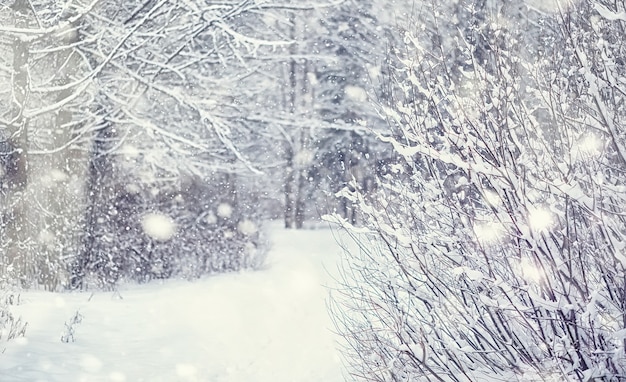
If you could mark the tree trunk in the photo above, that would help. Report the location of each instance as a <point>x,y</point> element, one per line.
<point>97,213</point>
<point>290,186</point>
<point>45,183</point>
<point>303,167</point>
<point>14,155</point>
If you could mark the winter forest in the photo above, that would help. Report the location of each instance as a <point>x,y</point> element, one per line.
<point>453,172</point>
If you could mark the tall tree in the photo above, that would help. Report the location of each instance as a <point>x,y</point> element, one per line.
<point>43,145</point>
<point>193,142</point>
<point>358,38</point>
<point>154,78</point>
<point>325,104</point>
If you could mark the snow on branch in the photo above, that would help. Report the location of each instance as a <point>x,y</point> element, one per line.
<point>62,27</point>
<point>407,152</point>
<point>609,14</point>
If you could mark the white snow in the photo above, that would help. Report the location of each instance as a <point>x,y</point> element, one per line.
<point>247,227</point>
<point>211,218</point>
<point>304,158</point>
<point>530,271</point>
<point>492,198</point>
<point>539,219</point>
<point>489,232</point>
<point>356,93</point>
<point>55,176</point>
<point>224,210</point>
<point>129,151</point>
<point>266,325</point>
<point>45,236</point>
<point>471,274</point>
<point>158,226</point>
<point>609,14</point>
<point>588,146</point>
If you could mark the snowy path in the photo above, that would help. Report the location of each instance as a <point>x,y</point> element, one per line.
<point>269,325</point>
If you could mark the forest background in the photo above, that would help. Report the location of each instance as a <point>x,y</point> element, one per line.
<point>476,149</point>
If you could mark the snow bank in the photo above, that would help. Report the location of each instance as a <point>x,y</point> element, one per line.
<point>268,325</point>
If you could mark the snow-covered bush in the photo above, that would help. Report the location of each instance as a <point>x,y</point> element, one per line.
<point>183,229</point>
<point>494,250</point>
<point>11,327</point>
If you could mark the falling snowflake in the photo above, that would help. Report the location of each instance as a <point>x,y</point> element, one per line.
<point>158,226</point>
<point>211,218</point>
<point>489,233</point>
<point>588,146</point>
<point>224,210</point>
<point>539,219</point>
<point>530,271</point>
<point>304,158</point>
<point>247,227</point>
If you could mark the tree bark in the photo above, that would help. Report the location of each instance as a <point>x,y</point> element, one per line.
<point>290,186</point>
<point>44,182</point>
<point>15,264</point>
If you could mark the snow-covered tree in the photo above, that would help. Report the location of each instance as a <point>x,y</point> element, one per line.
<point>176,90</point>
<point>42,138</point>
<point>356,36</point>
<point>97,87</point>
<point>290,107</point>
<point>324,104</point>
<point>494,247</point>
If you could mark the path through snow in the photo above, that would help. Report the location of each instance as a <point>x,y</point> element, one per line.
<point>268,325</point>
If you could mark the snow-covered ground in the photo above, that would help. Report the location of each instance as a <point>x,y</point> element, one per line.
<point>266,325</point>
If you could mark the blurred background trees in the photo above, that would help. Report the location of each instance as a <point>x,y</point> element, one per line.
<point>118,110</point>
<point>173,140</point>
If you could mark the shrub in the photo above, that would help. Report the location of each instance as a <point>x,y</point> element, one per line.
<point>494,249</point>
